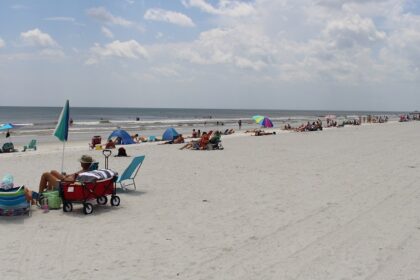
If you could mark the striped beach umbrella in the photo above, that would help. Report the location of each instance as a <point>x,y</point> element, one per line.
<point>258,118</point>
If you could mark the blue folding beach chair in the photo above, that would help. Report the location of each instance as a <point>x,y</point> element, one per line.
<point>14,203</point>
<point>130,173</point>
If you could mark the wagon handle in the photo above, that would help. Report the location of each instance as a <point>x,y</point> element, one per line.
<point>107,154</point>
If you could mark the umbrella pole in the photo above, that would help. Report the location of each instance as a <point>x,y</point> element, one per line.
<point>62,158</point>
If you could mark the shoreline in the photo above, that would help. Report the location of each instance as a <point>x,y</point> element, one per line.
<point>22,137</point>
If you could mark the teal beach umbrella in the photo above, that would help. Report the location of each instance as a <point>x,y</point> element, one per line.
<point>62,129</point>
<point>7,126</point>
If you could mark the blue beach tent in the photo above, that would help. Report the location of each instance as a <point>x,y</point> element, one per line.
<point>123,135</point>
<point>169,134</point>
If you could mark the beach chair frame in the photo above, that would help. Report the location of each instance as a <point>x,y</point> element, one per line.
<point>30,146</point>
<point>130,173</point>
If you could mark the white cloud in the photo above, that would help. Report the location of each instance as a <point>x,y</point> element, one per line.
<point>231,8</point>
<point>128,49</point>
<point>344,42</point>
<point>352,30</point>
<point>69,19</point>
<point>36,37</point>
<point>102,15</point>
<point>244,48</point>
<point>108,33</point>
<point>169,16</point>
<point>2,43</point>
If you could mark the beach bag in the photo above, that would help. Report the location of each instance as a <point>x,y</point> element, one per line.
<point>121,152</point>
<point>52,198</point>
<point>8,147</point>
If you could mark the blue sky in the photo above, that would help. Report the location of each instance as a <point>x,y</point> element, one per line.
<point>274,54</point>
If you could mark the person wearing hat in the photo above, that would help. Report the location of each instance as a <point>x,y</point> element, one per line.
<point>7,185</point>
<point>49,180</point>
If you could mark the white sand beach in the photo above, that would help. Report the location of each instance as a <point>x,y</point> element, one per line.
<point>341,203</point>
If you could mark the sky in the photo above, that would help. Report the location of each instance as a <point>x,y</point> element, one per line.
<point>249,54</point>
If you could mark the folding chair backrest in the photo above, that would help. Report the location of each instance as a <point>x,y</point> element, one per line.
<point>131,171</point>
<point>11,200</point>
<point>94,166</point>
<point>32,144</point>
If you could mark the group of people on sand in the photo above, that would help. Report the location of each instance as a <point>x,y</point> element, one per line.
<point>309,126</point>
<point>141,139</point>
<point>48,181</point>
<point>208,141</point>
<point>200,142</point>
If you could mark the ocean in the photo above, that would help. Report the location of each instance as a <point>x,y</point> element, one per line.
<point>40,121</point>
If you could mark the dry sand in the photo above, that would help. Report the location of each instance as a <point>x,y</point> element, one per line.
<point>338,204</point>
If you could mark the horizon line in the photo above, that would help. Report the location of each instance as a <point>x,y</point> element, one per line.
<point>198,108</point>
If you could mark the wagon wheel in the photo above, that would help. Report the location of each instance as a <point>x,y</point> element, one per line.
<point>67,207</point>
<point>115,200</point>
<point>102,200</point>
<point>87,208</point>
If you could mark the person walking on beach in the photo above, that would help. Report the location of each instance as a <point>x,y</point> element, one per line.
<point>240,124</point>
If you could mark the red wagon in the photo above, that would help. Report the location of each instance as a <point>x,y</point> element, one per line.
<point>86,192</point>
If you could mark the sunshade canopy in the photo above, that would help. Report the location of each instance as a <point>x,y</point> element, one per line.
<point>170,134</point>
<point>123,135</point>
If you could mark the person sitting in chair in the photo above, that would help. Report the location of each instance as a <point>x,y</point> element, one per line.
<point>216,138</point>
<point>197,145</point>
<point>110,144</point>
<point>7,185</point>
<point>49,180</point>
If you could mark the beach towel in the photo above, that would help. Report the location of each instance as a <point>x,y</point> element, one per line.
<point>95,175</point>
